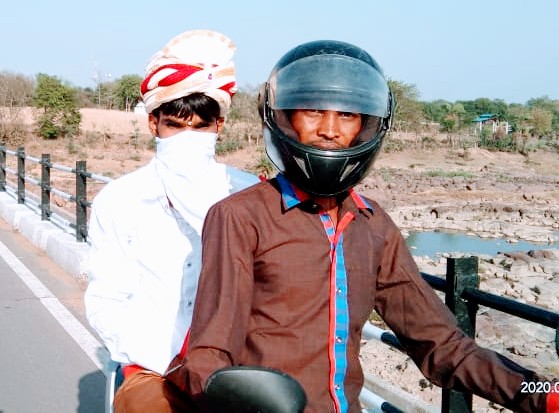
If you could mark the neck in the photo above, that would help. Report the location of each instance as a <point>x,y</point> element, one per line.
<point>326,202</point>
<point>330,205</point>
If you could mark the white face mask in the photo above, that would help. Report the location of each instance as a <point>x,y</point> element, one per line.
<point>193,180</point>
<point>186,151</point>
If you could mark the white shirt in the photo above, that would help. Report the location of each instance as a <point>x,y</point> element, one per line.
<point>144,264</point>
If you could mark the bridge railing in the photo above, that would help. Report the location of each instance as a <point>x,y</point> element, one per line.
<point>463,296</point>
<point>460,288</point>
<point>20,184</point>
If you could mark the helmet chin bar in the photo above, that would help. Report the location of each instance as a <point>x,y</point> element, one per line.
<point>317,171</point>
<point>331,172</point>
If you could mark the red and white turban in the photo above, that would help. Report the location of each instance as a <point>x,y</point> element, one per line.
<point>194,61</point>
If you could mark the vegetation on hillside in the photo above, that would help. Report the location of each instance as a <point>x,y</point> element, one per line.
<point>16,93</point>
<point>520,127</point>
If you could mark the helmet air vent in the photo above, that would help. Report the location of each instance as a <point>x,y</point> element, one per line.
<point>302,165</point>
<point>349,169</point>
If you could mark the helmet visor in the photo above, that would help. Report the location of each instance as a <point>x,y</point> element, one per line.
<point>330,82</point>
<point>369,128</point>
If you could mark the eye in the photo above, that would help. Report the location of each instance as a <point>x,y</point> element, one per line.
<point>173,124</point>
<point>201,125</point>
<point>348,115</point>
<point>313,112</point>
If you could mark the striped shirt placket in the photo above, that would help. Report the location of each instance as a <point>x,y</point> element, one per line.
<point>339,309</point>
<point>339,312</point>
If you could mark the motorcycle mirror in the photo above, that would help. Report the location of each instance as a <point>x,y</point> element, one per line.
<point>244,389</point>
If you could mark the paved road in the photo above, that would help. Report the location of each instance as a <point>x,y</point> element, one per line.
<point>49,359</point>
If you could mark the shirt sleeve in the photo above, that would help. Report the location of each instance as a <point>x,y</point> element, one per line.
<point>223,303</point>
<point>239,179</point>
<point>430,335</point>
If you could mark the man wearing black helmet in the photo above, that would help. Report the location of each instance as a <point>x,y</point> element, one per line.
<point>293,267</point>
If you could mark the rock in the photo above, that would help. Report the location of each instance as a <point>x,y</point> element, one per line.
<point>517,275</point>
<point>539,254</point>
<point>518,256</point>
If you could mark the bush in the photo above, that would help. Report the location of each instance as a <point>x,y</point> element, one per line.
<point>393,144</point>
<point>228,145</point>
<point>263,165</point>
<point>13,131</point>
<point>59,115</point>
<point>16,93</point>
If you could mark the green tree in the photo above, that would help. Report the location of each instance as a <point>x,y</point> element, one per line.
<point>541,121</point>
<point>127,92</point>
<point>549,105</point>
<point>474,108</point>
<point>435,111</point>
<point>409,111</point>
<point>453,118</point>
<point>59,114</point>
<point>519,118</point>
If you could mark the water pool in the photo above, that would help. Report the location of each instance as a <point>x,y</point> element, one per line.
<point>430,243</point>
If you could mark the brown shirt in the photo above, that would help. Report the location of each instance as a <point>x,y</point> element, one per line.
<point>269,295</point>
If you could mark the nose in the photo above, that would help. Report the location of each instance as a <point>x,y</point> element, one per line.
<point>329,127</point>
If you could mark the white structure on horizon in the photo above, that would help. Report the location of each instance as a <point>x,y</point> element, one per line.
<point>140,108</point>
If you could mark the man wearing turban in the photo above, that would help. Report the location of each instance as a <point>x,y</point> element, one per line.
<point>145,226</point>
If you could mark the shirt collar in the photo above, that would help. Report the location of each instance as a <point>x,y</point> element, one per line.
<point>293,196</point>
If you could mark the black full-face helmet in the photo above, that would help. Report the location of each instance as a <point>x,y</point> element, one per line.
<point>325,75</point>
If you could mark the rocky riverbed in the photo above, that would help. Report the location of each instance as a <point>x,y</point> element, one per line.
<point>530,277</point>
<point>489,195</point>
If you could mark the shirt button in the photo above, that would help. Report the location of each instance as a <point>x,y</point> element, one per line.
<point>337,387</point>
<point>339,339</point>
<point>189,264</point>
<point>339,291</point>
<point>189,303</point>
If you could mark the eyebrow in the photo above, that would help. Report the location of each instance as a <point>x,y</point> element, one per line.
<point>175,122</point>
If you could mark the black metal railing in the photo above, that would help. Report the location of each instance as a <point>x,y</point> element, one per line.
<point>76,219</point>
<point>463,297</point>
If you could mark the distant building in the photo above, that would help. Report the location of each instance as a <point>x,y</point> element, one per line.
<point>486,119</point>
<point>140,108</point>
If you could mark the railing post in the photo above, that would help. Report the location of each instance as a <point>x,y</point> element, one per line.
<point>45,187</point>
<point>461,273</point>
<point>21,175</point>
<point>3,168</point>
<point>81,201</point>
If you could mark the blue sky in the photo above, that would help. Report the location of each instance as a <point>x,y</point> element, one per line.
<point>453,50</point>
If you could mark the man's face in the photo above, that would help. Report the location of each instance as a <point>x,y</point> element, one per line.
<point>326,129</point>
<point>165,126</point>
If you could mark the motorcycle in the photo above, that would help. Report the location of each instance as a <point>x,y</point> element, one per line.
<point>253,389</point>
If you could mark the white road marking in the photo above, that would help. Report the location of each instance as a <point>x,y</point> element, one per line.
<point>89,344</point>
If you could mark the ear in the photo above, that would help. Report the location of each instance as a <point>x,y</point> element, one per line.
<point>152,124</point>
<point>219,124</point>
